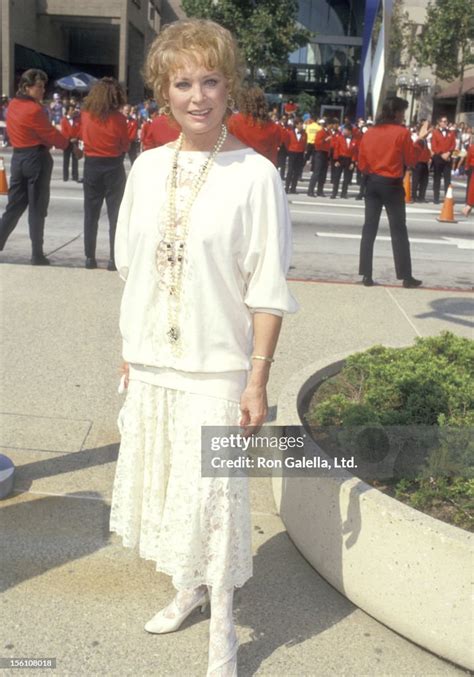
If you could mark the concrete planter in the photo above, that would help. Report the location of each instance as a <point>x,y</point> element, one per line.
<point>406,569</point>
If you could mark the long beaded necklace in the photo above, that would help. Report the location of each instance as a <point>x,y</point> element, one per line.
<point>171,250</point>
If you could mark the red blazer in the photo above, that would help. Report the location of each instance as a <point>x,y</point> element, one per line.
<point>264,137</point>
<point>132,129</point>
<point>159,132</point>
<point>28,125</point>
<point>292,143</point>
<point>333,140</point>
<point>387,150</point>
<point>341,149</point>
<point>469,161</point>
<point>71,131</point>
<point>442,144</point>
<point>422,152</point>
<point>322,140</point>
<point>104,138</point>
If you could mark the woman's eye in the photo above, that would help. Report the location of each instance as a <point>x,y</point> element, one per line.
<point>182,85</point>
<point>212,82</point>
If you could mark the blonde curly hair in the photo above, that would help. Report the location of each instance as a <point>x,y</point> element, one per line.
<point>198,41</point>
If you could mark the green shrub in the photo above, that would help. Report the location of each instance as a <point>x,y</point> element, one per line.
<point>380,393</point>
<point>429,383</point>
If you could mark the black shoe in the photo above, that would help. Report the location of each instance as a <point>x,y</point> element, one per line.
<point>40,260</point>
<point>311,194</point>
<point>367,281</point>
<point>345,197</point>
<point>411,283</point>
<point>333,197</point>
<point>79,180</point>
<point>359,197</point>
<point>436,202</point>
<point>91,263</point>
<point>321,194</point>
<point>111,265</point>
<point>65,179</point>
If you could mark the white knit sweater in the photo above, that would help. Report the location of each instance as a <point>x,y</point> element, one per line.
<point>237,255</point>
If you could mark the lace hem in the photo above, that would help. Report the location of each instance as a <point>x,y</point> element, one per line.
<point>197,529</point>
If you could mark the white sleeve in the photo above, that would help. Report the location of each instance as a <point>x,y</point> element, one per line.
<point>268,236</point>
<point>121,246</point>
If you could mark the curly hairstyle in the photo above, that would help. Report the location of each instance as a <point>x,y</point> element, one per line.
<point>200,42</point>
<point>106,96</point>
<point>254,104</point>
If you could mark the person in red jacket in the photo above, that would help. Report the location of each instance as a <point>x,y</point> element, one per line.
<point>70,128</point>
<point>421,170</point>
<point>132,128</point>
<point>252,125</point>
<point>31,135</point>
<point>469,163</point>
<point>344,154</point>
<point>443,143</point>
<point>384,153</point>
<point>296,144</point>
<point>158,130</point>
<point>320,161</point>
<point>105,136</point>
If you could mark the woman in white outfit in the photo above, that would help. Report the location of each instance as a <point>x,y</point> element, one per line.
<point>203,244</point>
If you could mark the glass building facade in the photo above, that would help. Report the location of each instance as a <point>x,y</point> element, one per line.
<point>328,66</point>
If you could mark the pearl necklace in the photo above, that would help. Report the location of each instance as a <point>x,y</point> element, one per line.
<point>171,250</point>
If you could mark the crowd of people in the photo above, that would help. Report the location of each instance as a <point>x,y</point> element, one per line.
<point>102,127</point>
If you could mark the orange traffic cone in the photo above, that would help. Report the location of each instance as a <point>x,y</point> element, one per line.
<point>407,186</point>
<point>3,178</point>
<point>447,212</point>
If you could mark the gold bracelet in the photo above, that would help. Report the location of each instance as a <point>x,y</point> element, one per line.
<point>262,357</point>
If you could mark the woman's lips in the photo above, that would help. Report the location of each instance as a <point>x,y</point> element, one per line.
<point>200,114</point>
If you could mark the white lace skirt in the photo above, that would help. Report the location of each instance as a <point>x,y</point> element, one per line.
<point>197,529</point>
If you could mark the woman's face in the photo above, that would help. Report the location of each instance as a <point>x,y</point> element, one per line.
<point>36,91</point>
<point>198,99</point>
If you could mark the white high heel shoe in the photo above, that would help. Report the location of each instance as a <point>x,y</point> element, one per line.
<point>160,624</point>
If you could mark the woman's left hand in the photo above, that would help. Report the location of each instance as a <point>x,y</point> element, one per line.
<point>254,408</point>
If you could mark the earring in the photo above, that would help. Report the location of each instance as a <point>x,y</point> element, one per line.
<point>230,103</point>
<point>166,110</point>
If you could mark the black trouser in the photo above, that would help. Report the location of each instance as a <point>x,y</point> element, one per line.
<point>104,177</point>
<point>67,155</point>
<point>295,166</point>
<point>133,151</point>
<point>309,152</point>
<point>420,181</point>
<point>383,191</point>
<point>363,186</point>
<point>440,168</point>
<point>320,170</point>
<point>281,160</point>
<point>344,166</point>
<point>29,187</point>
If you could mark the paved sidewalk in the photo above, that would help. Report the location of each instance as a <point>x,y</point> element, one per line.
<point>70,590</point>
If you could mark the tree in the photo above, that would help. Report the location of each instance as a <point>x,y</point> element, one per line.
<point>266,31</point>
<point>447,40</point>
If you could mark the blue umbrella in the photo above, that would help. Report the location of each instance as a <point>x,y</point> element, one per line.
<point>80,82</point>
